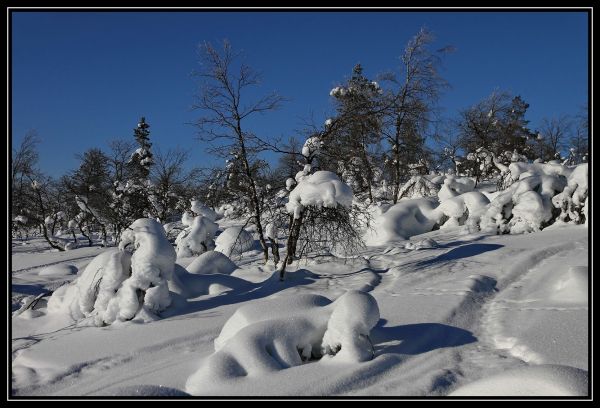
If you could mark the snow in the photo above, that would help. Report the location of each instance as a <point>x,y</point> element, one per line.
<point>321,189</point>
<point>311,146</point>
<point>543,380</point>
<point>290,183</point>
<point>234,241</point>
<point>200,209</point>
<point>211,262</point>
<point>197,238</point>
<point>454,186</point>
<point>454,311</point>
<point>21,218</point>
<point>58,270</point>
<point>279,333</point>
<point>401,221</point>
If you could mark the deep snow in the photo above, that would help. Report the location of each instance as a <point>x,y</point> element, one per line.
<point>469,313</point>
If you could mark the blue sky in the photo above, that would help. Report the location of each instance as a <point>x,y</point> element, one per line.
<point>83,78</point>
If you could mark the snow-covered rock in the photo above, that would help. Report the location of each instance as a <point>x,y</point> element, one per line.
<point>234,241</point>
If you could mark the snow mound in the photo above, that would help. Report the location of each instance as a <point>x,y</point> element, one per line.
<point>234,241</point>
<point>191,285</point>
<point>463,209</point>
<point>427,243</point>
<point>347,337</point>
<point>278,333</point>
<point>418,187</point>
<point>197,238</point>
<point>403,220</point>
<point>200,209</point>
<point>543,380</point>
<point>454,186</point>
<point>212,262</point>
<point>321,189</point>
<point>116,285</point>
<point>91,293</point>
<point>58,270</point>
<point>573,287</point>
<point>572,201</point>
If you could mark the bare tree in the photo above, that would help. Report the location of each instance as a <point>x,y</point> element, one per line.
<point>221,99</point>
<point>417,88</point>
<point>554,133</point>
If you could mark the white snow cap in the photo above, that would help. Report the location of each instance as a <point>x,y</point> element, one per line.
<point>21,218</point>
<point>289,183</point>
<point>197,238</point>
<point>311,146</point>
<point>201,209</point>
<point>328,122</point>
<point>321,189</point>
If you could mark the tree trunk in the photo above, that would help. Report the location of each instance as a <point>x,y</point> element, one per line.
<point>50,242</point>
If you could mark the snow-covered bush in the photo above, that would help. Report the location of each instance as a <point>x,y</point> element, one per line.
<point>454,186</point>
<point>117,285</point>
<point>463,209</point>
<point>197,238</point>
<point>234,241</point>
<point>273,334</point>
<point>403,220</point>
<point>572,201</point>
<point>212,262</point>
<point>321,189</point>
<point>200,209</point>
<point>418,187</point>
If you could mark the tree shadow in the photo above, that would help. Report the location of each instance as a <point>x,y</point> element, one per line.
<point>461,252</point>
<point>418,338</point>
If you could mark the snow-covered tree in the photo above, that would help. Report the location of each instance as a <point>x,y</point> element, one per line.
<point>225,82</point>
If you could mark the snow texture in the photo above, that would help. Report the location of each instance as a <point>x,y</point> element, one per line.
<point>275,334</point>
<point>212,262</point>
<point>200,209</point>
<point>454,186</point>
<point>543,380</point>
<point>321,189</point>
<point>234,241</point>
<point>197,238</point>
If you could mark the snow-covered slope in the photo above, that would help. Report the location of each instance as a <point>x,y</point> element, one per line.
<point>472,309</point>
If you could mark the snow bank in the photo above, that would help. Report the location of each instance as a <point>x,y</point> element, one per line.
<point>321,189</point>
<point>234,241</point>
<point>278,333</point>
<point>212,262</point>
<point>58,270</point>
<point>197,238</point>
<point>542,380</point>
<point>403,220</point>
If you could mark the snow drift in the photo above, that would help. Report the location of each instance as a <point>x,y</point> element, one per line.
<point>278,333</point>
<point>234,241</point>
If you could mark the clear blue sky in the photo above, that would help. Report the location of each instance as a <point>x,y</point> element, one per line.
<point>83,78</point>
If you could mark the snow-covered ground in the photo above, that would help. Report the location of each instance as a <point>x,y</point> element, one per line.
<point>467,314</point>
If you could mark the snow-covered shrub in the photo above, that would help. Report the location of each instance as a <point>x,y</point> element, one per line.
<point>211,262</point>
<point>525,206</point>
<point>463,209</point>
<point>273,334</point>
<point>454,186</point>
<point>347,336</point>
<point>116,285</point>
<point>90,293</point>
<point>418,187</point>
<point>234,241</point>
<point>197,238</point>
<point>572,201</point>
<point>403,220</point>
<point>200,209</point>
<point>321,189</point>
